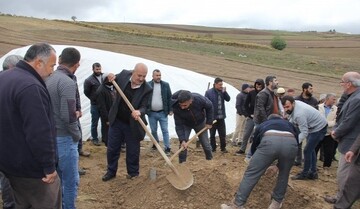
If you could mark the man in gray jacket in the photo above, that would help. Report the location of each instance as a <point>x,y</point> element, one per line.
<point>312,126</point>
<point>62,89</point>
<point>347,127</point>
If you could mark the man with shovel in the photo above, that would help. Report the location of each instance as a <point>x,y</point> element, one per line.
<point>123,122</point>
<point>192,111</point>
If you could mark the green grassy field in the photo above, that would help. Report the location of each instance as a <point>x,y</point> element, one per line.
<point>330,54</point>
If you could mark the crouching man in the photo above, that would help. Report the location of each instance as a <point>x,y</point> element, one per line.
<point>274,139</point>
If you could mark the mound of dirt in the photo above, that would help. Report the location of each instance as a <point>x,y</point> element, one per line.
<point>215,182</point>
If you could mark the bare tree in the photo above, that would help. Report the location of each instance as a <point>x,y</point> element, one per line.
<point>73,18</point>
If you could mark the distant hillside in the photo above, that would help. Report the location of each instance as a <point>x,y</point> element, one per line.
<point>328,53</point>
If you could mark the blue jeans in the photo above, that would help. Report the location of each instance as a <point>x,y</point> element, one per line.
<point>68,170</point>
<point>309,151</point>
<point>95,115</point>
<point>120,132</point>
<point>203,138</point>
<point>271,148</point>
<point>162,118</point>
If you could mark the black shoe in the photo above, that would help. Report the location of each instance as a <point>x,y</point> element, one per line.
<point>81,172</point>
<point>224,151</point>
<point>108,176</point>
<point>167,151</point>
<point>153,148</point>
<point>299,176</point>
<point>240,152</point>
<point>96,143</point>
<point>131,177</point>
<point>313,176</point>
<point>297,164</point>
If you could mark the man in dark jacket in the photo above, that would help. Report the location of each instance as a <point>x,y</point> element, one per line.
<point>351,192</point>
<point>306,95</point>
<point>123,122</point>
<point>6,191</point>
<point>218,95</point>
<point>240,113</point>
<point>27,130</point>
<point>105,96</point>
<point>192,111</point>
<point>91,84</point>
<point>249,114</point>
<point>266,102</point>
<point>274,140</point>
<point>347,127</point>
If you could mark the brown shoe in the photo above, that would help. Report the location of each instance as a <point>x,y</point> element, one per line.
<point>84,154</point>
<point>330,199</point>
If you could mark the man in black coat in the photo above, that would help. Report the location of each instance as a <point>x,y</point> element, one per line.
<point>123,122</point>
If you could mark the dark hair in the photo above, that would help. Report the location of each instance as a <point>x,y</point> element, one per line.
<point>271,116</point>
<point>306,85</point>
<point>184,96</point>
<point>96,64</point>
<point>70,56</point>
<point>156,70</point>
<point>42,50</point>
<point>218,80</point>
<point>269,79</point>
<point>287,98</point>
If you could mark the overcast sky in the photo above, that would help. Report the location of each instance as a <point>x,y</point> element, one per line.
<point>293,15</point>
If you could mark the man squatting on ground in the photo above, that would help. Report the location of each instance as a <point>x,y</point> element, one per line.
<point>274,140</point>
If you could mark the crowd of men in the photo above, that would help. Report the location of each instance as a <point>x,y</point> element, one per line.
<point>40,132</point>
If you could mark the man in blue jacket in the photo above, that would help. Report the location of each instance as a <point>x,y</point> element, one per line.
<point>27,130</point>
<point>192,111</point>
<point>218,95</point>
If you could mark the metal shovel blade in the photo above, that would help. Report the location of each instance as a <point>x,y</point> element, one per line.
<point>182,179</point>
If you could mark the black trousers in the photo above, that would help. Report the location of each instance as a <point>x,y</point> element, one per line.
<point>328,144</point>
<point>221,128</point>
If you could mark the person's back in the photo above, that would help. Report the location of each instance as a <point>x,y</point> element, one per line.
<point>307,118</point>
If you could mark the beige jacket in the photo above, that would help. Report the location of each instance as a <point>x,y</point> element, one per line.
<point>331,118</point>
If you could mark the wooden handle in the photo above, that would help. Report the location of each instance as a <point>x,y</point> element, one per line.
<point>189,142</point>
<point>145,128</point>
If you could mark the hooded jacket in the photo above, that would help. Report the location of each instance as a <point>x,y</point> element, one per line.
<point>251,97</point>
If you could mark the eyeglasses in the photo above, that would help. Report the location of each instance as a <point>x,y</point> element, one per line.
<point>342,82</point>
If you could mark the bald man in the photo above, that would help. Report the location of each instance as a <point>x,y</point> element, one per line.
<point>347,127</point>
<point>123,122</point>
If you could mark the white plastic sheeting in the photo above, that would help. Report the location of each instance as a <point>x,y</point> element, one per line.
<point>178,79</point>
